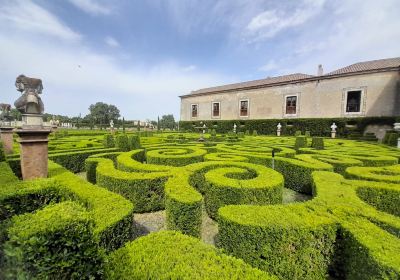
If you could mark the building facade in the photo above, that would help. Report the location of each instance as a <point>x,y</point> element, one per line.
<point>365,89</point>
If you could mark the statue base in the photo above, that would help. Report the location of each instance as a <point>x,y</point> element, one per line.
<point>278,133</point>
<point>333,134</point>
<point>32,121</point>
<point>6,136</point>
<point>34,152</point>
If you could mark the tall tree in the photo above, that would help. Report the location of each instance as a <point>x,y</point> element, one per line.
<point>102,113</point>
<point>167,121</point>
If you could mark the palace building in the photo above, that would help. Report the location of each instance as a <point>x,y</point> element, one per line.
<point>365,89</point>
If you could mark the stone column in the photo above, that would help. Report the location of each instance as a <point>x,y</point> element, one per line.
<point>34,152</point>
<point>6,135</point>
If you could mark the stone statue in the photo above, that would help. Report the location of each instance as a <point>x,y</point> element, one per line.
<point>333,127</point>
<point>5,112</point>
<point>112,124</point>
<point>234,128</point>
<point>278,131</point>
<point>30,101</point>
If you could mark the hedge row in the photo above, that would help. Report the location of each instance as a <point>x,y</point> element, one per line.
<point>335,232</point>
<point>316,126</point>
<point>65,240</point>
<point>171,255</point>
<point>57,241</point>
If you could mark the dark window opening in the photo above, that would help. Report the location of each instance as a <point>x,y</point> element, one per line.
<point>194,111</point>
<point>215,112</point>
<point>244,108</point>
<point>353,101</point>
<point>291,102</point>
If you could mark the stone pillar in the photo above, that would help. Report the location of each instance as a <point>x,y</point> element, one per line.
<point>34,152</point>
<point>278,133</point>
<point>333,134</point>
<point>6,135</point>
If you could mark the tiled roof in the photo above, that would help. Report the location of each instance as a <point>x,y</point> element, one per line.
<point>367,66</point>
<point>255,83</point>
<point>372,65</point>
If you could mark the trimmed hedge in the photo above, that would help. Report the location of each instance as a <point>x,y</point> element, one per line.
<point>122,143</point>
<point>109,141</point>
<point>316,126</point>
<point>171,255</point>
<point>2,155</point>
<point>57,241</point>
<point>134,141</point>
<point>317,143</point>
<point>179,156</point>
<point>335,231</point>
<point>389,174</point>
<point>301,142</point>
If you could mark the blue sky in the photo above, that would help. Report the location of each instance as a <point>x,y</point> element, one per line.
<point>141,55</point>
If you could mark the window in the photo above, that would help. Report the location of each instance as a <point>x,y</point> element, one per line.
<point>244,108</point>
<point>215,109</point>
<point>194,110</point>
<point>353,101</point>
<point>291,102</point>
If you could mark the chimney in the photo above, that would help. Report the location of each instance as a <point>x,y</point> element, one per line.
<point>320,70</point>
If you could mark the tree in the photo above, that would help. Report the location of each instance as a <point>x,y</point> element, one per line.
<point>102,113</point>
<point>167,121</point>
<point>15,114</point>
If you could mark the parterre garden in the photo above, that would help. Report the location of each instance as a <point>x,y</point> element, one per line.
<point>67,227</point>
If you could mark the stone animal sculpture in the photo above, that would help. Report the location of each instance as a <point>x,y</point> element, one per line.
<point>29,102</point>
<point>5,112</point>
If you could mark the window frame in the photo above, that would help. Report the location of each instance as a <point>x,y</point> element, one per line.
<point>363,97</point>
<point>240,108</point>
<point>347,102</point>
<point>191,110</point>
<point>285,105</point>
<point>219,109</point>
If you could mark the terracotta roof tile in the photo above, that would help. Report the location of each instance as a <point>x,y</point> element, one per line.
<point>367,66</point>
<point>267,81</point>
<point>298,77</point>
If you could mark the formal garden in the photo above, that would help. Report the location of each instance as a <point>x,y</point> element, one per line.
<point>164,205</point>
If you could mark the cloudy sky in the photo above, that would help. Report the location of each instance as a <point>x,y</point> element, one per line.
<point>141,55</point>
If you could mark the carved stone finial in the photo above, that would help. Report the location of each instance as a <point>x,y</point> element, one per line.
<point>29,102</point>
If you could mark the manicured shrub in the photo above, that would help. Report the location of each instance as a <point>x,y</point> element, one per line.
<point>122,143</point>
<point>317,143</point>
<point>108,141</point>
<point>316,126</point>
<point>297,133</point>
<point>255,133</point>
<point>301,142</point>
<point>2,155</point>
<point>171,255</point>
<point>307,133</point>
<point>213,133</point>
<point>56,242</point>
<point>175,156</point>
<point>134,142</point>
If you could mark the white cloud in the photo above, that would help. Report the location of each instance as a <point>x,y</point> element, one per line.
<point>189,68</point>
<point>270,22</point>
<point>271,65</point>
<point>30,17</point>
<point>92,7</point>
<point>112,42</point>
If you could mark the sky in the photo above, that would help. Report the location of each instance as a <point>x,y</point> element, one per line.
<point>142,55</point>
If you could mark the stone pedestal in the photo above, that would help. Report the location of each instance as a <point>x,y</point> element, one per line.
<point>6,136</point>
<point>333,134</point>
<point>32,121</point>
<point>34,152</point>
<point>278,133</point>
<point>398,143</point>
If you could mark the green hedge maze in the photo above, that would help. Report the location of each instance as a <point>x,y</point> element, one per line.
<point>76,225</point>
